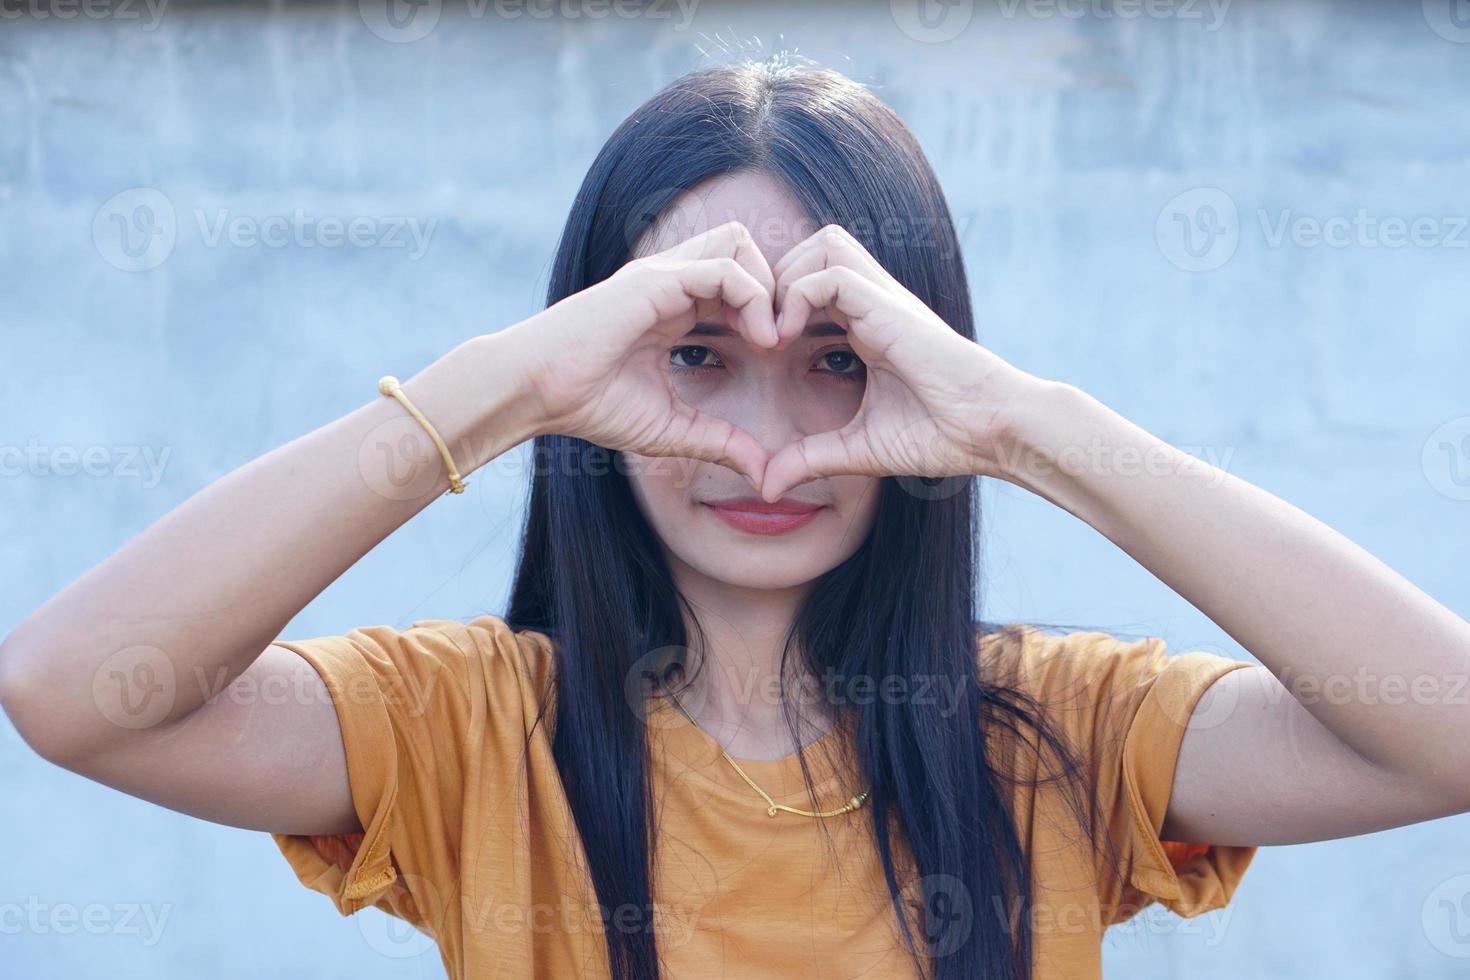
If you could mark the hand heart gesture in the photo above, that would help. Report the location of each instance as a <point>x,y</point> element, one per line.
<point>600,366</point>
<point>934,400</point>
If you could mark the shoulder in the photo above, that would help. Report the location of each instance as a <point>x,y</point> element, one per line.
<point>488,637</point>
<point>432,663</point>
<point>1076,668</point>
<point>1096,683</point>
<point>1088,663</point>
<point>495,659</point>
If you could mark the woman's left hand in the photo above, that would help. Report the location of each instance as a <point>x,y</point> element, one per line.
<point>935,404</point>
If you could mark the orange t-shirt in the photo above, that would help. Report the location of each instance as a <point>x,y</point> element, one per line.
<point>475,846</point>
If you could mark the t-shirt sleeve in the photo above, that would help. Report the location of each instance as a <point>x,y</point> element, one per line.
<point>1126,705</point>
<point>412,705</point>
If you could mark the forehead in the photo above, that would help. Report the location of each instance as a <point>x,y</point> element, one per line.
<point>759,201</point>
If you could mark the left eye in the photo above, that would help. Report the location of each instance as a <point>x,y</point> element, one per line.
<point>842,362</point>
<point>693,357</point>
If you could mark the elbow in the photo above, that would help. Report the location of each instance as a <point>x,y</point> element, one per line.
<point>18,694</point>
<point>23,700</point>
<point>16,689</point>
<point>13,686</point>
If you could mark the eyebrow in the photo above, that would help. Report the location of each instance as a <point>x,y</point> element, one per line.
<point>812,330</point>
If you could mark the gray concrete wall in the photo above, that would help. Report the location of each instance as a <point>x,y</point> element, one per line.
<point>1121,174</point>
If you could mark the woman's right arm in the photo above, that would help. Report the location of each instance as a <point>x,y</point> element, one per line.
<point>115,677</point>
<point>201,594</point>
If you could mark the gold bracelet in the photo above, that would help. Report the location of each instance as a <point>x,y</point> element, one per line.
<point>389,386</point>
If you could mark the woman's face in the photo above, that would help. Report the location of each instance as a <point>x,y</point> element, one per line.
<point>813,385</point>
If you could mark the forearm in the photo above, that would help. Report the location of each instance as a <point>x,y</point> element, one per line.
<point>1377,661</point>
<point>209,585</point>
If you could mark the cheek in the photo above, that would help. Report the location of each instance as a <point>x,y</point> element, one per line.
<point>823,401</point>
<point>659,479</point>
<point>835,401</point>
<point>857,500</point>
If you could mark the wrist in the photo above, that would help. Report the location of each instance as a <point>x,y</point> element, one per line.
<point>476,397</point>
<point>1046,439</point>
<point>505,363</point>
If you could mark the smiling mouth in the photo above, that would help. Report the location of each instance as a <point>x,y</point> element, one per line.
<point>755,516</point>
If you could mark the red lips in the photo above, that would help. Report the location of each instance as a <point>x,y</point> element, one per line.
<point>756,516</point>
<point>786,505</point>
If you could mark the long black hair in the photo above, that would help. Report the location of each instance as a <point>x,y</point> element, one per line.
<point>592,577</point>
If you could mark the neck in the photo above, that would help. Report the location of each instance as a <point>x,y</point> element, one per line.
<point>736,694</point>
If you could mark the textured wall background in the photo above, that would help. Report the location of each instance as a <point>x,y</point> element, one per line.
<point>1243,225</point>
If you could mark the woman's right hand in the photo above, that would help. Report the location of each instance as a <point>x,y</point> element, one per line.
<point>599,359</point>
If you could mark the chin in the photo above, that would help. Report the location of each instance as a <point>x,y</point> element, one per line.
<point>779,568</point>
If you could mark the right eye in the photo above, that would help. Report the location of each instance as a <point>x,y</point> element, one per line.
<point>692,357</point>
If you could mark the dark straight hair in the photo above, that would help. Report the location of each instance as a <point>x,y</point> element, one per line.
<point>592,577</point>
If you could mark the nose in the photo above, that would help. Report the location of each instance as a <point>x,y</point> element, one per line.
<point>771,409</point>
<point>772,396</point>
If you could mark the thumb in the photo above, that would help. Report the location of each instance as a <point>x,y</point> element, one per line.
<point>817,455</point>
<point>711,438</point>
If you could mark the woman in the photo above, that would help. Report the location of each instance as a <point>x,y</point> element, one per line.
<point>740,717</point>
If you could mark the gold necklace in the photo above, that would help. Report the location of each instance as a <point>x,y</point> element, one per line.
<point>773,807</point>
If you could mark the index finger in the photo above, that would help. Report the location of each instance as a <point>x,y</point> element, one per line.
<point>830,245</point>
<point>729,240</point>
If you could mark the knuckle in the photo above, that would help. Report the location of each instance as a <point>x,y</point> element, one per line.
<point>725,237</point>
<point>634,268</point>
<point>835,235</point>
<point>728,266</point>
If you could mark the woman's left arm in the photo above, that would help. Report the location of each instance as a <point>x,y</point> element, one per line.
<point>1358,718</point>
